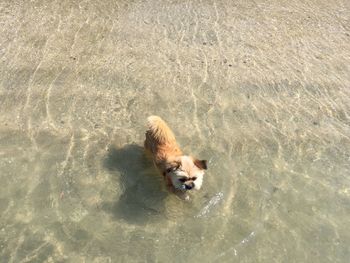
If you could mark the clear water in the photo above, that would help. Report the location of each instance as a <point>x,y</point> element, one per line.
<point>259,88</point>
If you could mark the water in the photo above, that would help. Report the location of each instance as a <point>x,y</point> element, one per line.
<point>258,88</point>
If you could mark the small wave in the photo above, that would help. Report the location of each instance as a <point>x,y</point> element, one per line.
<point>212,202</point>
<point>248,238</point>
<point>236,248</point>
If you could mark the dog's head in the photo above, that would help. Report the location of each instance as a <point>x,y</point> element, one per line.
<point>186,172</point>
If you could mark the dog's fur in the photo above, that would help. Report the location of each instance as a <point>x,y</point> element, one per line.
<point>181,172</point>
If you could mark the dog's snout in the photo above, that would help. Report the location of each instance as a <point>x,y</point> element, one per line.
<point>189,186</point>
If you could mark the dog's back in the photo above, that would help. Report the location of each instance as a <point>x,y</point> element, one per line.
<point>160,140</point>
<point>159,130</point>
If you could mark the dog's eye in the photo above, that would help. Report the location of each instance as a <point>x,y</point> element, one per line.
<point>182,180</point>
<point>194,178</point>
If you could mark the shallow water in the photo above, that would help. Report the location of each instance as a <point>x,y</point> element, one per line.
<point>259,88</point>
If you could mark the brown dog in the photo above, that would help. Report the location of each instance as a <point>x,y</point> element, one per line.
<point>181,172</point>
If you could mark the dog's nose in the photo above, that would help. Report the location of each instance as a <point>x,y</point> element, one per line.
<point>189,186</point>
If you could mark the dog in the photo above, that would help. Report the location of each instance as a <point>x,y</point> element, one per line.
<point>181,172</point>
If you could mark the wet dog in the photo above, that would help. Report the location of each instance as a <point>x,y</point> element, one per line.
<point>181,172</point>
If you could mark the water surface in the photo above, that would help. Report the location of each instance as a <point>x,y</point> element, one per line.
<point>258,88</point>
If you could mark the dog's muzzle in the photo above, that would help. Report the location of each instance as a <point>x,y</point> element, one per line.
<point>189,186</point>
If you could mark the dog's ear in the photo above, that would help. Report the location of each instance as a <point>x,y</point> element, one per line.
<point>201,164</point>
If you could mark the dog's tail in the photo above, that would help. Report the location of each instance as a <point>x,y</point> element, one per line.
<point>159,130</point>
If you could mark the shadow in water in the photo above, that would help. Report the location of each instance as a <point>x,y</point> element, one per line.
<point>142,199</point>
